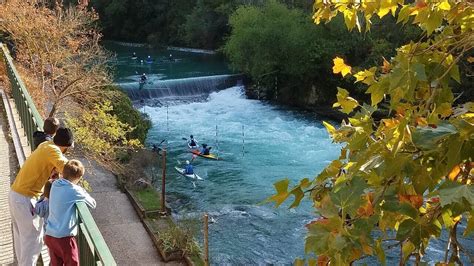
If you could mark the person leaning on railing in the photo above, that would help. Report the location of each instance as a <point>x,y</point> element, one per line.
<point>28,187</point>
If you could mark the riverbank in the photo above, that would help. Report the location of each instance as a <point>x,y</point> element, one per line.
<point>322,110</point>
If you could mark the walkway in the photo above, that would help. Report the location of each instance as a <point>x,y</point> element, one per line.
<point>8,166</point>
<point>118,221</point>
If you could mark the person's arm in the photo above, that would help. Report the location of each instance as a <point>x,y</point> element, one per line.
<point>83,196</point>
<point>41,207</point>
<point>58,160</point>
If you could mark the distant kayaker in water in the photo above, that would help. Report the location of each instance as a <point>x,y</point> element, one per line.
<point>188,169</point>
<point>134,56</point>
<point>192,141</point>
<point>149,60</point>
<point>143,78</point>
<point>205,150</point>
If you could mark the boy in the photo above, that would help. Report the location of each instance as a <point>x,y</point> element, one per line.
<point>50,126</point>
<point>62,221</point>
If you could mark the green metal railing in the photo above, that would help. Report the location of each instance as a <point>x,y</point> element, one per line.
<point>92,247</point>
<point>29,116</point>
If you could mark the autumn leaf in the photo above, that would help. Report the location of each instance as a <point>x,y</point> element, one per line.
<point>386,66</point>
<point>340,67</point>
<point>346,103</point>
<point>454,173</point>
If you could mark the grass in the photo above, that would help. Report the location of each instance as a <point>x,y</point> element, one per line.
<point>149,198</point>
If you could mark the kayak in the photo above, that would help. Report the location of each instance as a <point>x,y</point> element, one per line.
<point>210,156</point>
<point>181,171</point>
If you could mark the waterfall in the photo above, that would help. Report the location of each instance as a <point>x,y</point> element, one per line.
<point>197,86</point>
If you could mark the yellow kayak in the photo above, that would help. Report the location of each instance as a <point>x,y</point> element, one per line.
<point>210,156</point>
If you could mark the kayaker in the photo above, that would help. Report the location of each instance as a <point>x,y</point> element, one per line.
<point>149,60</point>
<point>192,141</point>
<point>134,56</point>
<point>205,150</point>
<point>143,78</point>
<point>188,169</point>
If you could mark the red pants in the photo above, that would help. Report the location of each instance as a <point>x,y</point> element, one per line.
<point>62,251</point>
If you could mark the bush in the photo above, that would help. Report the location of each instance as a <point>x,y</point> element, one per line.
<point>126,113</point>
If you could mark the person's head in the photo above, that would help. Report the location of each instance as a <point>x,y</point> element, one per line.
<point>149,56</point>
<point>73,171</point>
<point>187,162</point>
<point>47,188</point>
<point>63,138</point>
<point>204,145</point>
<point>191,137</point>
<point>50,125</point>
<point>143,74</point>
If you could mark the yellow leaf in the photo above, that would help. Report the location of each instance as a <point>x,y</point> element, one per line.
<point>350,18</point>
<point>346,103</point>
<point>470,59</point>
<point>387,6</point>
<point>454,172</point>
<point>444,5</point>
<point>444,110</point>
<point>340,67</point>
<point>329,127</point>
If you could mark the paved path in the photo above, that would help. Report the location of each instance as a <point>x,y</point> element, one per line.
<point>8,166</point>
<point>118,221</point>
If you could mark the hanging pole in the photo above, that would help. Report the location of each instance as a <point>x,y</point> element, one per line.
<point>217,144</point>
<point>163,182</point>
<point>167,119</point>
<point>206,239</point>
<point>243,141</point>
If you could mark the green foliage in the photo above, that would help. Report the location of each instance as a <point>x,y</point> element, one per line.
<point>273,43</point>
<point>101,132</point>
<point>410,173</point>
<point>149,198</point>
<point>126,113</point>
<point>179,238</point>
<point>207,23</point>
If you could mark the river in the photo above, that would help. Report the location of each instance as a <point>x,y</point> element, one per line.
<point>257,144</point>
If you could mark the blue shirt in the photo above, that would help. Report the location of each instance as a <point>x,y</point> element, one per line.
<point>188,170</point>
<point>62,220</point>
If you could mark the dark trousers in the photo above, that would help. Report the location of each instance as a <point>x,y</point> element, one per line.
<point>62,251</point>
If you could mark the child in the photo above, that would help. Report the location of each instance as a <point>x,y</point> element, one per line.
<point>50,127</point>
<point>42,206</point>
<point>62,222</point>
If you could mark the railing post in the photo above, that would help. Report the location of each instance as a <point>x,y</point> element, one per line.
<point>163,183</point>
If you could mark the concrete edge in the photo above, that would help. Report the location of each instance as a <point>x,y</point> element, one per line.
<point>20,153</point>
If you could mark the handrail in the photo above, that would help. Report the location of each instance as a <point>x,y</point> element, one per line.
<point>29,115</point>
<point>92,247</point>
<point>101,252</point>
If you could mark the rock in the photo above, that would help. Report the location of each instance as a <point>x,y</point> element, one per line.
<point>141,183</point>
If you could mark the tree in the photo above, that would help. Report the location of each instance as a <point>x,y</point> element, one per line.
<point>409,174</point>
<point>58,50</point>
<point>61,49</point>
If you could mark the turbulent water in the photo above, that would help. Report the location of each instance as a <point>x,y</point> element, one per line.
<point>257,144</point>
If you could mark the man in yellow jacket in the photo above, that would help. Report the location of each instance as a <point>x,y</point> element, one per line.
<point>28,187</point>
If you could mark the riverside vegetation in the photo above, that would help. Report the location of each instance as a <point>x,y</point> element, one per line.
<point>66,70</point>
<point>401,180</point>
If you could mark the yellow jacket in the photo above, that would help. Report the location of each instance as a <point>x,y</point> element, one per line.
<point>37,168</point>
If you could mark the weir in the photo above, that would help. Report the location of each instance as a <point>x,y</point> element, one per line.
<point>196,86</point>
